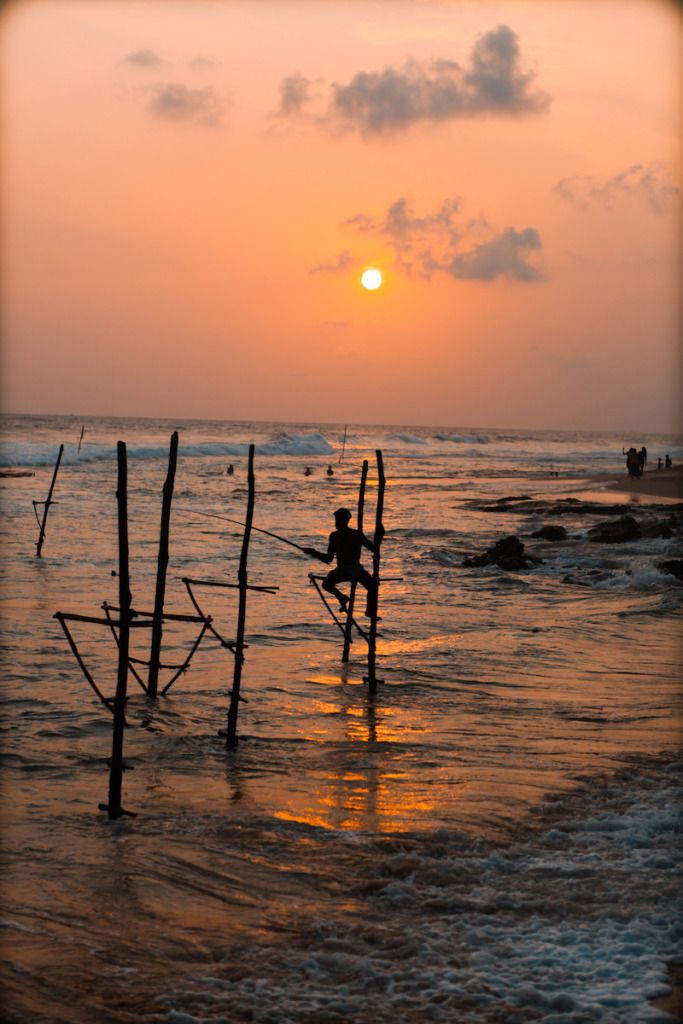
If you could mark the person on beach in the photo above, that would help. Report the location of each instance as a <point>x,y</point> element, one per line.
<point>642,459</point>
<point>345,544</point>
<point>632,462</point>
<point>667,462</point>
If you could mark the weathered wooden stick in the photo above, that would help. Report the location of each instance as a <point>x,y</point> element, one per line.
<point>112,625</point>
<point>162,565</point>
<point>352,592</point>
<point>207,618</point>
<point>114,808</point>
<point>242,612</point>
<point>47,503</point>
<point>186,664</point>
<point>98,621</point>
<point>80,440</point>
<point>314,580</point>
<point>372,637</point>
<point>72,644</point>
<point>234,586</point>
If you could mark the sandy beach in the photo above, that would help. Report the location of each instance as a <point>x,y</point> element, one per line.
<point>662,483</point>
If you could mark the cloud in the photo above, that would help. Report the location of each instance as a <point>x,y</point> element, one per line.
<point>295,92</point>
<point>653,183</point>
<point>404,229</point>
<point>445,242</point>
<point>144,59</point>
<point>394,99</point>
<point>502,256</point>
<point>202,63</point>
<point>341,262</point>
<point>175,102</point>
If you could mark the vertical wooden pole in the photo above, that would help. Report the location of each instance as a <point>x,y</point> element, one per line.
<point>352,593</point>
<point>114,806</point>
<point>372,636</point>
<point>162,565</point>
<point>242,613</point>
<point>80,440</point>
<point>49,502</point>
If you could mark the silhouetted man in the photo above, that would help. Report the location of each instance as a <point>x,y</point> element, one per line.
<point>345,544</point>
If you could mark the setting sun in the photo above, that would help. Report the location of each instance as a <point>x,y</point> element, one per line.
<point>371,279</point>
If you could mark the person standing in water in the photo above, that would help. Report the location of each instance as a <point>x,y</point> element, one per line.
<point>345,544</point>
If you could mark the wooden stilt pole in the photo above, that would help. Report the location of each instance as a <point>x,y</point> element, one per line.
<point>372,637</point>
<point>242,613</point>
<point>162,565</point>
<point>114,808</point>
<point>352,592</point>
<point>48,502</point>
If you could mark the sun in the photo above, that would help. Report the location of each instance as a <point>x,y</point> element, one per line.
<point>371,279</point>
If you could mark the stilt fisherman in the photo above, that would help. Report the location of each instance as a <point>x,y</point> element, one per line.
<point>345,544</point>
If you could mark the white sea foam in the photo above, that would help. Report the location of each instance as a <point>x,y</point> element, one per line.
<point>574,927</point>
<point>464,438</point>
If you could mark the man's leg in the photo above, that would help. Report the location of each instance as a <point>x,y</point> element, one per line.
<point>330,585</point>
<point>366,580</point>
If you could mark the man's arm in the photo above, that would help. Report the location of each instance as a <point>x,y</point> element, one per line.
<point>327,558</point>
<point>372,544</point>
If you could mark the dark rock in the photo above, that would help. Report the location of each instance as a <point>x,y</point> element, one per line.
<point>660,528</point>
<point>551,533</point>
<point>507,553</point>
<point>617,532</point>
<point>672,567</point>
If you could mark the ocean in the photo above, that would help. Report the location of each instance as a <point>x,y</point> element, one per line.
<point>493,836</point>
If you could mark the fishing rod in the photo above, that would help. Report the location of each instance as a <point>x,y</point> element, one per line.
<point>237,522</point>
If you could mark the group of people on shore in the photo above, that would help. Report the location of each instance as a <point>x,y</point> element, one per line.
<point>636,460</point>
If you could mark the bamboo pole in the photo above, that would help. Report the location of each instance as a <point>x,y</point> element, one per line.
<point>242,613</point>
<point>372,636</point>
<point>114,808</point>
<point>352,592</point>
<point>47,503</point>
<point>162,566</point>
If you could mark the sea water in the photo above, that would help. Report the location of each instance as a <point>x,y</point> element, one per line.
<point>493,836</point>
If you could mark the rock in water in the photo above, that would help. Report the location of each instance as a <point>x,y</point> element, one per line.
<point>507,553</point>
<point>551,533</point>
<point>615,531</point>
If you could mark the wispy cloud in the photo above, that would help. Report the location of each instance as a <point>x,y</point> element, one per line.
<point>202,64</point>
<point>391,100</point>
<point>175,102</point>
<point>446,242</point>
<point>295,93</point>
<point>144,59</point>
<point>654,183</point>
<point>341,262</point>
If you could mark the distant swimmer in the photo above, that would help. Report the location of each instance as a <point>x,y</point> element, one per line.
<point>308,471</point>
<point>345,544</point>
<point>330,471</point>
<point>230,470</point>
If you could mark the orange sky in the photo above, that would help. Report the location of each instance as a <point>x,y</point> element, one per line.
<point>191,191</point>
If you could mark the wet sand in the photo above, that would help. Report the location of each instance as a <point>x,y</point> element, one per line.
<point>659,483</point>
